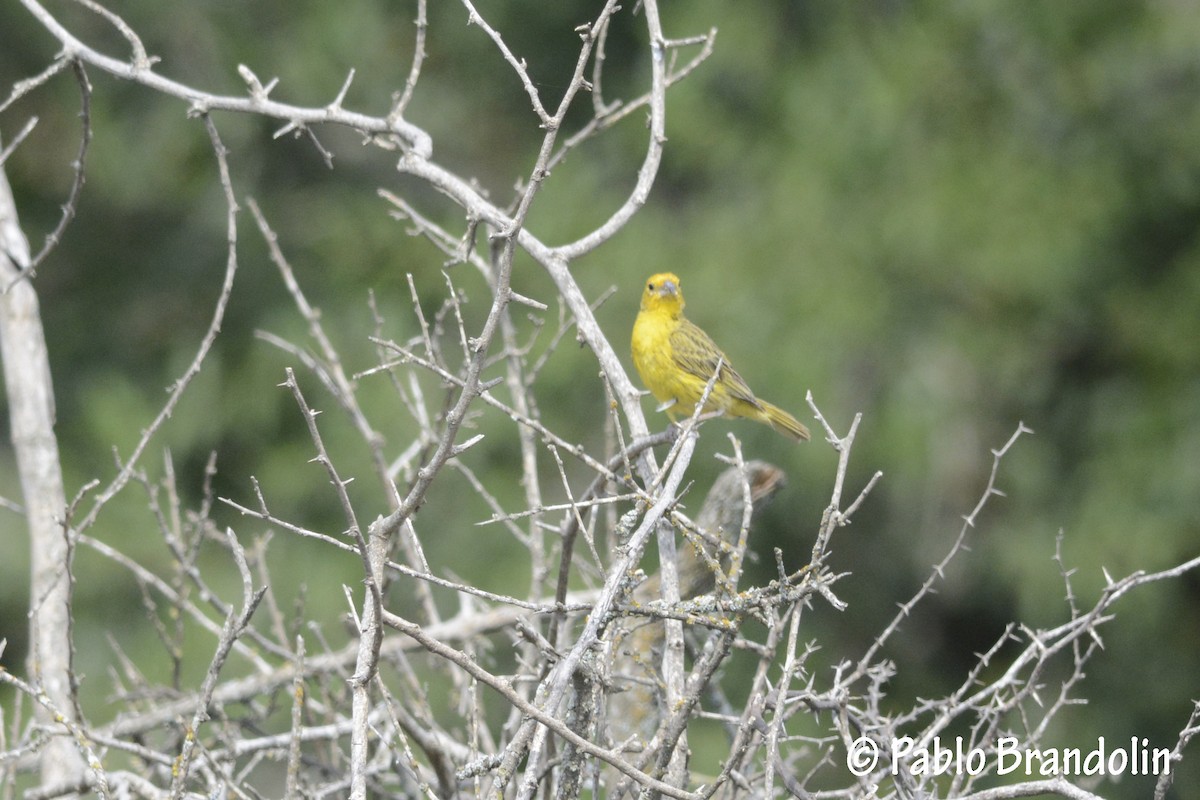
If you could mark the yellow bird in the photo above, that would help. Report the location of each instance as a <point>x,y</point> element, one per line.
<point>677,360</point>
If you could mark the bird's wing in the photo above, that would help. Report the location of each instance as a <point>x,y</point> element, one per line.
<point>697,354</point>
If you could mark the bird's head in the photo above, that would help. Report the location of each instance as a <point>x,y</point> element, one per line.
<point>662,293</point>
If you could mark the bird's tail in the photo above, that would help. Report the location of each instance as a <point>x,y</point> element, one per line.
<point>783,422</point>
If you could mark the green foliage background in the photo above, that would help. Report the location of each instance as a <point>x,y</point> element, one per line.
<point>948,216</point>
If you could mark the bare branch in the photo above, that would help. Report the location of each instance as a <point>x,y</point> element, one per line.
<point>180,386</point>
<point>597,670</point>
<point>30,391</point>
<point>203,103</point>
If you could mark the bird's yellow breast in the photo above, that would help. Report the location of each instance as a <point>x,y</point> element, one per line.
<point>652,353</point>
<point>656,362</point>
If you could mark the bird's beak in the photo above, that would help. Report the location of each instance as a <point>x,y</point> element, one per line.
<point>668,288</point>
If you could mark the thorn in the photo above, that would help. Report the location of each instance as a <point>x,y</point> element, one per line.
<point>292,126</point>
<point>468,444</point>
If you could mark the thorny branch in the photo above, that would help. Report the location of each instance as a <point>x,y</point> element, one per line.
<point>596,685</point>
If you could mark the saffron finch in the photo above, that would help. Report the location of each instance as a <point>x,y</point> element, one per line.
<point>676,360</point>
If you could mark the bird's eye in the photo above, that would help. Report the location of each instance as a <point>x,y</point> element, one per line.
<point>650,286</point>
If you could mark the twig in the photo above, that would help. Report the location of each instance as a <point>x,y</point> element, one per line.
<point>177,389</point>
<point>329,369</point>
<point>234,625</point>
<point>1190,729</point>
<point>16,140</point>
<point>203,103</point>
<point>540,714</point>
<point>518,65</point>
<point>414,71</point>
<point>938,571</point>
<point>1058,786</point>
<point>24,87</point>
